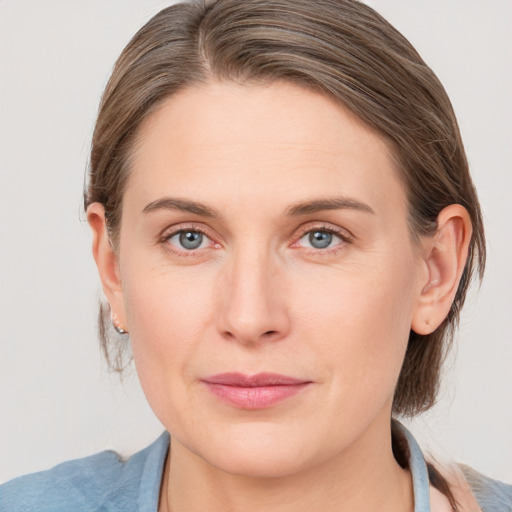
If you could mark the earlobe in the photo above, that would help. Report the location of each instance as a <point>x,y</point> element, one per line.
<point>106,260</point>
<point>445,256</point>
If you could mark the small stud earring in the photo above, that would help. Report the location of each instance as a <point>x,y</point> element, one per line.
<point>117,325</point>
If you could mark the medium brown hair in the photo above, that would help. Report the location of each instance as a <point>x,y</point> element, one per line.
<point>340,48</point>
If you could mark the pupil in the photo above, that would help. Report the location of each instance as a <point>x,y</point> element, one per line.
<point>191,239</point>
<point>320,239</point>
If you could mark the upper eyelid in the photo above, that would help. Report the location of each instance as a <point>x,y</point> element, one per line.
<point>170,231</point>
<point>323,226</point>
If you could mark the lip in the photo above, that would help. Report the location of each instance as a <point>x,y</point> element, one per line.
<point>254,391</point>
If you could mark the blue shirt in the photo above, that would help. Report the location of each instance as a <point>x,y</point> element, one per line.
<point>105,483</point>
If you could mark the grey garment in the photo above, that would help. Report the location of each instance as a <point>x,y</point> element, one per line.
<point>492,495</point>
<point>419,472</point>
<point>99,483</point>
<point>105,483</point>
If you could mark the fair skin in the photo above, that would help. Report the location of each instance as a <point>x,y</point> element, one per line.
<point>298,261</point>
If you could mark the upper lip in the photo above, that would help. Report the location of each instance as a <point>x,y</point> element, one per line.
<point>257,380</point>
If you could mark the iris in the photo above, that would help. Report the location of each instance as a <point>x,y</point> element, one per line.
<point>320,239</point>
<point>190,239</point>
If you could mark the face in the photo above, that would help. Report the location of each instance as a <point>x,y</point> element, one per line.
<point>267,276</point>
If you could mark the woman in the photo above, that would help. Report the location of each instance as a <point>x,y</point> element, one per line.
<point>285,227</point>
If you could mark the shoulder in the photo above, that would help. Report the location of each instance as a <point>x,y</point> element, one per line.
<point>100,482</point>
<point>83,483</point>
<point>472,491</point>
<point>491,495</point>
<point>476,492</point>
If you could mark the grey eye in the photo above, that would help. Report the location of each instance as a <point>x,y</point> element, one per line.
<point>190,239</point>
<point>320,239</point>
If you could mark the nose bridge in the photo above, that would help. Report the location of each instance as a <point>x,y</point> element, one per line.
<point>253,308</point>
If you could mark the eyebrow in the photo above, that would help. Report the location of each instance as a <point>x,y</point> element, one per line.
<point>182,205</point>
<point>334,203</point>
<point>297,209</point>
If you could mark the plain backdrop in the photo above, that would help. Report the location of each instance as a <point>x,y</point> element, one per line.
<point>57,400</point>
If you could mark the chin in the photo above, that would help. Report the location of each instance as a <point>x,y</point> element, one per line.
<point>257,463</point>
<point>262,452</point>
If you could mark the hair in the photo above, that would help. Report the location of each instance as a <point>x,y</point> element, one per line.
<point>339,48</point>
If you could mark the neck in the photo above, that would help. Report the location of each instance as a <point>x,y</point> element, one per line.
<point>364,477</point>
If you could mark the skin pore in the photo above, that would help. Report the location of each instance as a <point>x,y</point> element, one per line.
<point>264,229</point>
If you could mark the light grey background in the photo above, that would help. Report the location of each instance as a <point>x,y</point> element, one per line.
<point>57,401</point>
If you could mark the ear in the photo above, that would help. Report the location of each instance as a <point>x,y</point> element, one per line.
<point>107,262</point>
<point>444,258</point>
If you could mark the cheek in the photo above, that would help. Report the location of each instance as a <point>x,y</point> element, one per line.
<point>168,317</point>
<point>165,304</point>
<point>360,323</point>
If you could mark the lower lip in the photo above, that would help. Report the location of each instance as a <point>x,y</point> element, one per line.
<point>256,397</point>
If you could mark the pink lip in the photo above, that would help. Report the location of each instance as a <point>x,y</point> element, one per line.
<point>254,391</point>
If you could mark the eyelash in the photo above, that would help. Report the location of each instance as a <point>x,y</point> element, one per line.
<point>345,237</point>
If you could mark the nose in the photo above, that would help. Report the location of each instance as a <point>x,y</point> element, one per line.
<point>253,299</point>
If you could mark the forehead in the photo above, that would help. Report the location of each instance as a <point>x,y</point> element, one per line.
<point>277,140</point>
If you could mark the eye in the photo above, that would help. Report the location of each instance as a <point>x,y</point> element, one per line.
<point>320,239</point>
<point>189,240</point>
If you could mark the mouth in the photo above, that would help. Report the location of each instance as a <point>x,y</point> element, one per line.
<point>258,391</point>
